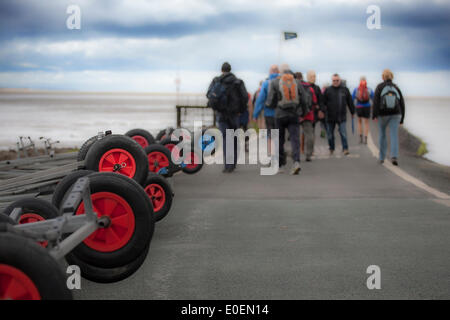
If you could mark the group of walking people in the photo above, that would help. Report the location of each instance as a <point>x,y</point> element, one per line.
<point>289,102</point>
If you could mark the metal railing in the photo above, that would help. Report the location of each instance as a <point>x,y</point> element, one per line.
<point>187,113</point>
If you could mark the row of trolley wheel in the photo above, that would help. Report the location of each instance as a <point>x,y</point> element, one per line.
<point>101,217</point>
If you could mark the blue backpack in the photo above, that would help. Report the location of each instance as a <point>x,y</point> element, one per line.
<point>217,96</point>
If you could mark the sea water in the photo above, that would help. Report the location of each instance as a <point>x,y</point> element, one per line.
<point>72,118</point>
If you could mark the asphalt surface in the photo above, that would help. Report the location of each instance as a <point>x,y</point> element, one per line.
<point>311,236</point>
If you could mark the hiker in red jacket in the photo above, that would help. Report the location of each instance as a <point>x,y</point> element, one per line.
<point>307,121</point>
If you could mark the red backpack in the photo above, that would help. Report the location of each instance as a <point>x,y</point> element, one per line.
<point>363,95</point>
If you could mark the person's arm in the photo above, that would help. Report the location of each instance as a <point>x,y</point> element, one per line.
<point>376,102</point>
<point>325,100</point>
<point>402,105</point>
<point>320,99</point>
<point>210,87</point>
<point>271,92</point>
<point>354,94</point>
<point>250,108</point>
<point>302,103</point>
<point>350,104</point>
<point>259,105</point>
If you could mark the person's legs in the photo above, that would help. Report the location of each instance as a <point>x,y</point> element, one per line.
<point>308,131</point>
<point>235,141</point>
<point>281,126</point>
<point>270,125</point>
<point>394,123</point>
<point>223,125</point>
<point>366,129</point>
<point>313,135</point>
<point>360,129</point>
<point>343,134</point>
<point>330,133</point>
<point>323,126</point>
<point>294,129</point>
<point>382,123</point>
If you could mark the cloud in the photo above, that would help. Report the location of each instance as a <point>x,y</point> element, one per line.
<point>125,37</point>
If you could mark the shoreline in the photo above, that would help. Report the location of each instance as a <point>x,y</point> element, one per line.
<point>140,93</point>
<point>125,93</point>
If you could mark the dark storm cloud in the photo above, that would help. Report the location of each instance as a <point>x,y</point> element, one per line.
<point>424,26</point>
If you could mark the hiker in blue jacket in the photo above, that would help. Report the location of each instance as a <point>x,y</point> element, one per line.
<point>260,104</point>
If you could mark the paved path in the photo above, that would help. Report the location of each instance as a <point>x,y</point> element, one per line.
<point>312,236</point>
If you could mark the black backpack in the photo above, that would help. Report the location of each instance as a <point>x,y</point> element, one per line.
<point>230,98</point>
<point>217,96</point>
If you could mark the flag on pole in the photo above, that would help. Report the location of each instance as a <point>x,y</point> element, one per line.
<point>289,35</point>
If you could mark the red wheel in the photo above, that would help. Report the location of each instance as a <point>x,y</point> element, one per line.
<point>30,218</point>
<point>157,160</point>
<point>157,196</point>
<point>34,210</point>
<point>170,146</point>
<point>194,160</point>
<point>195,164</point>
<point>16,285</point>
<point>122,222</point>
<point>141,140</point>
<point>118,160</point>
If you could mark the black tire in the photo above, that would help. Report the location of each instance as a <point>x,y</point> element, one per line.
<point>161,198</point>
<point>107,275</point>
<point>165,133</point>
<point>85,148</point>
<point>142,133</point>
<point>139,236</point>
<point>166,141</point>
<point>34,206</point>
<point>101,147</point>
<point>6,219</point>
<point>65,184</point>
<point>196,165</point>
<point>153,166</point>
<point>36,263</point>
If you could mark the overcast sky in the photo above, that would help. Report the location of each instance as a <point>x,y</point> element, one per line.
<point>138,45</point>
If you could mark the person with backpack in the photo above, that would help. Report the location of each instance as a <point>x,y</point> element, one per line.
<point>228,97</point>
<point>288,98</point>
<point>363,95</point>
<point>308,120</point>
<point>269,114</point>
<point>336,99</point>
<point>319,113</point>
<point>388,111</point>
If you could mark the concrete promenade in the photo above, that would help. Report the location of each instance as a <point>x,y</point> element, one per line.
<point>311,236</point>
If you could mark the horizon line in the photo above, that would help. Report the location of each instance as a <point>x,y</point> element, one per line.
<point>142,93</point>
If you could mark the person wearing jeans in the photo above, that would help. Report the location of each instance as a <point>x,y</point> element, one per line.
<point>337,98</point>
<point>342,131</point>
<point>388,115</point>
<point>393,122</point>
